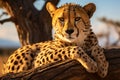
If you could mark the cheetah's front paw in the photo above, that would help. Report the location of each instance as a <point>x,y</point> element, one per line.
<point>93,68</point>
<point>103,69</point>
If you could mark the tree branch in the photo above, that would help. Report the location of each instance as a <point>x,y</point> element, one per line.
<point>69,70</point>
<point>11,19</point>
<point>114,23</point>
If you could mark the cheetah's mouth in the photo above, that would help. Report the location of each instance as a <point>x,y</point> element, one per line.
<point>67,38</point>
<point>70,37</point>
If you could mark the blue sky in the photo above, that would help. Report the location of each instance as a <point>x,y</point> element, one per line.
<point>108,8</point>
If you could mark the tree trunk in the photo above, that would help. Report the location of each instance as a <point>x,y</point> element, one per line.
<point>32,25</point>
<point>69,70</point>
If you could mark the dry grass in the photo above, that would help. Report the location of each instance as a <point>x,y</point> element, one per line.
<point>2,61</point>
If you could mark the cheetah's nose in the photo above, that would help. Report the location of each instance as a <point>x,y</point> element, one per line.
<point>69,31</point>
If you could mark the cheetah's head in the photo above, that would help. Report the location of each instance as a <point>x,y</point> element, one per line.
<point>71,22</point>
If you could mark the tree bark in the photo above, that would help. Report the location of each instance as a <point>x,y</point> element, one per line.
<point>69,70</point>
<point>32,25</point>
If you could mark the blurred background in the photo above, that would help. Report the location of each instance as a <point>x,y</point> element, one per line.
<point>105,23</point>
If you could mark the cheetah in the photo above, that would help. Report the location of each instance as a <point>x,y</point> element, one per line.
<point>73,38</point>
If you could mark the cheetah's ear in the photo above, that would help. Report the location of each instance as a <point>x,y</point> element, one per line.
<point>51,8</point>
<point>90,9</point>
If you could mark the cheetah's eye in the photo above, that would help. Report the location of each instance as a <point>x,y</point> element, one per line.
<point>61,19</point>
<point>77,18</point>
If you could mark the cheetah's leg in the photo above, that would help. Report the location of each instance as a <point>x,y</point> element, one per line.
<point>97,53</point>
<point>71,52</point>
<point>87,62</point>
